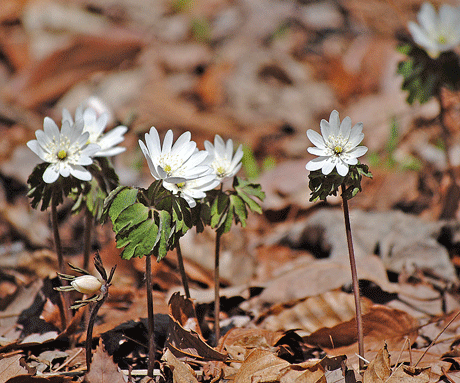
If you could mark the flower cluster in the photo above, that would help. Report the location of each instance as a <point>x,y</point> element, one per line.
<point>184,169</point>
<point>72,148</point>
<point>436,33</point>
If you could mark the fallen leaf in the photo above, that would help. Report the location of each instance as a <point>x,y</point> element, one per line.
<point>381,324</point>
<point>184,340</point>
<point>39,379</point>
<point>379,369</point>
<point>103,369</point>
<point>260,366</point>
<point>10,367</point>
<point>408,374</point>
<point>182,372</point>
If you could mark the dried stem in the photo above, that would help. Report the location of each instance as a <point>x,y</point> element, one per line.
<point>87,238</point>
<point>354,277</point>
<point>150,314</point>
<point>180,261</point>
<point>216,289</point>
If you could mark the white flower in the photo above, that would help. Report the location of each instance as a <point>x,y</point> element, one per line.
<point>338,145</point>
<point>193,189</point>
<point>436,33</point>
<point>174,163</point>
<point>86,284</point>
<point>95,125</point>
<point>224,163</point>
<point>66,151</point>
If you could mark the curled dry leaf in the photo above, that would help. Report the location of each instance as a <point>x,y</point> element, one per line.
<point>10,367</point>
<point>184,334</point>
<point>182,372</point>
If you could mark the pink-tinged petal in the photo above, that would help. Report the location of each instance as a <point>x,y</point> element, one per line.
<point>80,172</point>
<point>345,127</point>
<point>167,142</point>
<point>36,148</point>
<point>317,151</point>
<point>51,174</point>
<point>342,168</point>
<point>316,139</point>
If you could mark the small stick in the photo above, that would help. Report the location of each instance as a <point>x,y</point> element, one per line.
<point>216,289</point>
<point>180,261</point>
<point>150,315</point>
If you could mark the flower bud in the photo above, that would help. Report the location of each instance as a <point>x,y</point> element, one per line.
<point>86,284</point>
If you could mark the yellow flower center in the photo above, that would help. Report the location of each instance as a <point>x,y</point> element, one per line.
<point>180,185</point>
<point>442,39</point>
<point>167,168</point>
<point>62,154</point>
<point>338,149</point>
<point>220,170</point>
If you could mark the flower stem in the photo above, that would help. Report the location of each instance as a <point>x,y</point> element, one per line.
<point>87,239</point>
<point>354,277</point>
<point>151,319</point>
<point>216,289</point>
<point>89,330</point>
<point>180,261</point>
<point>64,308</point>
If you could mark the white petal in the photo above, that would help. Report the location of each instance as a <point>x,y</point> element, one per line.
<point>167,142</point>
<point>334,123</point>
<point>51,174</point>
<point>152,140</point>
<point>342,168</point>
<point>36,148</point>
<point>316,163</point>
<point>317,151</point>
<point>50,128</point>
<point>356,135</point>
<point>427,17</point>
<point>326,131</point>
<point>80,172</point>
<point>358,151</point>
<point>345,127</point>
<point>181,142</point>
<point>315,138</point>
<point>66,116</point>
<point>328,166</point>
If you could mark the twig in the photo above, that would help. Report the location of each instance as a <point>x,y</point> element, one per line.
<point>437,337</point>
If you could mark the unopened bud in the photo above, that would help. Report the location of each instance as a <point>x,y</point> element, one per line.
<point>86,284</point>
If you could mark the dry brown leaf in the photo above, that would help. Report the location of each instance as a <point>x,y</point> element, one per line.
<point>381,324</point>
<point>379,368</point>
<point>407,374</point>
<point>39,379</point>
<point>184,340</point>
<point>182,372</point>
<point>51,77</point>
<point>103,368</point>
<point>261,366</point>
<point>313,313</point>
<point>10,367</point>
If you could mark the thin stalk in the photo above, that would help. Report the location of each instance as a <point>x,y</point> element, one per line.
<point>216,289</point>
<point>64,308</point>
<point>151,319</point>
<point>87,239</point>
<point>180,261</point>
<point>354,277</point>
<point>89,330</point>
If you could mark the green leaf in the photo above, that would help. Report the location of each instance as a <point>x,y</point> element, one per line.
<point>164,234</point>
<point>239,208</point>
<point>130,216</point>
<point>118,200</point>
<point>139,240</point>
